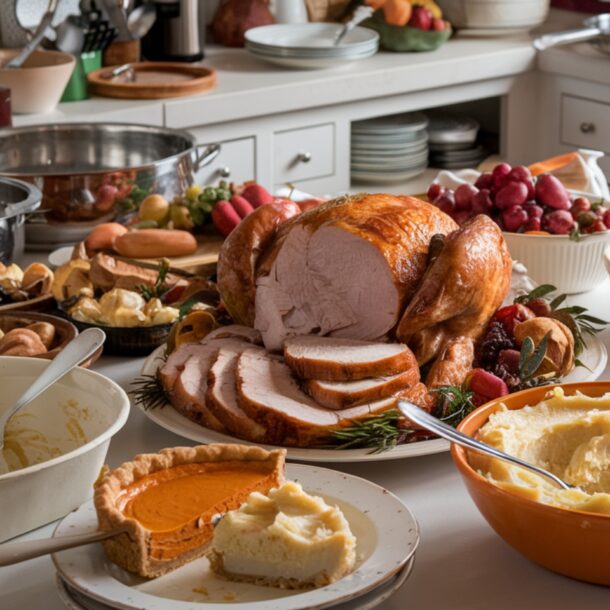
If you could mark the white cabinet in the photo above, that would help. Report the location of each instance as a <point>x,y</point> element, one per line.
<point>236,162</point>
<point>304,154</point>
<point>585,123</point>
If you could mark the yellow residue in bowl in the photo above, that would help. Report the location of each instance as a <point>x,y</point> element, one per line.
<point>25,444</point>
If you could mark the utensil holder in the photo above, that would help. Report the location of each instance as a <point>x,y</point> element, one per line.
<point>77,88</point>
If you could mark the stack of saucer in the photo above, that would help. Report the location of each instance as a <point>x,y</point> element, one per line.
<point>389,149</point>
<point>453,143</point>
<point>310,45</point>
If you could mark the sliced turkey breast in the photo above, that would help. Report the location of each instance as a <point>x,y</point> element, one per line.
<point>342,394</point>
<point>221,396</point>
<point>172,367</point>
<point>331,359</point>
<point>269,394</point>
<point>346,268</point>
<point>189,391</point>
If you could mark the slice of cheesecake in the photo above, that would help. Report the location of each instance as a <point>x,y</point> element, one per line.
<point>167,502</point>
<point>286,539</point>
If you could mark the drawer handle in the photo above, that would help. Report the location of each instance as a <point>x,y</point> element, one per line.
<point>224,172</point>
<point>587,127</point>
<point>304,157</point>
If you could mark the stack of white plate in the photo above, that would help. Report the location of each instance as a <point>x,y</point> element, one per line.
<point>387,537</point>
<point>453,143</point>
<point>389,149</point>
<point>310,45</point>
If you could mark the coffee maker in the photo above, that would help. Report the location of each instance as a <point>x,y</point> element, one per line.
<point>175,34</point>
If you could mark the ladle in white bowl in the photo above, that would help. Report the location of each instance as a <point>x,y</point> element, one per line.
<point>424,419</point>
<point>76,351</point>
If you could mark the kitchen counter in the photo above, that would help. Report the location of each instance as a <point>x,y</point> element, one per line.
<point>461,564</point>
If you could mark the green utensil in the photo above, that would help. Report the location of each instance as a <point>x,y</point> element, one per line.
<point>77,88</point>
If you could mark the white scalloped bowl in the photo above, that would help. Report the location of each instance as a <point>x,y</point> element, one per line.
<point>64,433</point>
<point>571,266</point>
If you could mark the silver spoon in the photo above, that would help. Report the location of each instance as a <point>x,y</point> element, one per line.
<point>360,14</point>
<point>79,349</point>
<point>45,22</point>
<point>419,416</point>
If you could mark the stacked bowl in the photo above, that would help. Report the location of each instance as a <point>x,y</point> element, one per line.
<point>389,149</point>
<point>310,45</point>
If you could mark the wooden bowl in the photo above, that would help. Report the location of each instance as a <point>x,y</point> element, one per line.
<point>572,543</point>
<point>46,302</point>
<point>65,331</point>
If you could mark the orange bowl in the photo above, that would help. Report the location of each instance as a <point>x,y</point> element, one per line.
<point>570,542</point>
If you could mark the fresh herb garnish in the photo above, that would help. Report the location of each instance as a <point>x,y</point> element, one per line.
<point>148,391</point>
<point>454,403</point>
<point>159,289</point>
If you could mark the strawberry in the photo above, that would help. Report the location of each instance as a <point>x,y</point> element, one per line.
<point>225,217</point>
<point>242,205</point>
<point>256,194</point>
<point>486,385</point>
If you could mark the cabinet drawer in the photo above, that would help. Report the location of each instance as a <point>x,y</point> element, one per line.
<point>585,123</point>
<point>235,162</point>
<point>302,154</point>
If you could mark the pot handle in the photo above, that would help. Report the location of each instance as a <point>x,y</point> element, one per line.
<point>568,37</point>
<point>205,155</point>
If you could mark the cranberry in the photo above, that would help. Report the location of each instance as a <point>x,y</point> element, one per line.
<point>550,192</point>
<point>481,202</point>
<point>520,173</point>
<point>532,224</point>
<point>484,181</point>
<point>533,210</point>
<point>558,222</point>
<point>463,196</point>
<point>514,218</point>
<point>512,194</point>
<point>446,202</point>
<point>435,190</point>
<point>580,205</point>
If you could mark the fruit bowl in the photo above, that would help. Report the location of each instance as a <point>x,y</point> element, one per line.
<point>405,38</point>
<point>570,542</point>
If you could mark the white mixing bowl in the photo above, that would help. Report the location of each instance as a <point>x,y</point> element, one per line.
<point>64,434</point>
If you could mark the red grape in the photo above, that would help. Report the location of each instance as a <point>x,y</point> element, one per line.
<point>520,173</point>
<point>533,210</point>
<point>446,202</point>
<point>481,202</point>
<point>550,192</point>
<point>580,205</point>
<point>600,211</point>
<point>606,219</point>
<point>596,226</point>
<point>502,169</point>
<point>484,181</point>
<point>463,196</point>
<point>512,194</point>
<point>585,219</point>
<point>435,190</point>
<point>461,216</point>
<point>558,222</point>
<point>532,224</point>
<point>514,218</point>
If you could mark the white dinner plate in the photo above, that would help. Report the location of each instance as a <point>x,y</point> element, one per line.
<point>594,358</point>
<point>75,600</point>
<point>393,177</point>
<point>307,63</point>
<point>387,536</point>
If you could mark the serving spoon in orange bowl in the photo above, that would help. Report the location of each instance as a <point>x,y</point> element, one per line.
<point>433,424</point>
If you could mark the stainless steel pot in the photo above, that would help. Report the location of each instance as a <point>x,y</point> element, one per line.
<point>16,200</point>
<point>596,31</point>
<point>89,171</point>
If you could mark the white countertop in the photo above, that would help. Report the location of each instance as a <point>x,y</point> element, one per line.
<point>461,564</point>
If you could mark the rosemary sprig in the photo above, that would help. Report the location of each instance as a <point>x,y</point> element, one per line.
<point>148,391</point>
<point>159,289</point>
<point>377,432</point>
<point>454,404</point>
<point>574,317</point>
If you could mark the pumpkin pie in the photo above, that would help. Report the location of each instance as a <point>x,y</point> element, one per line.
<point>167,502</point>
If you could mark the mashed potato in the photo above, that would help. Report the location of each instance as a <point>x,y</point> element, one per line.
<point>566,435</point>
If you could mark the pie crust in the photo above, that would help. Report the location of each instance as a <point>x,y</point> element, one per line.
<point>151,553</point>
